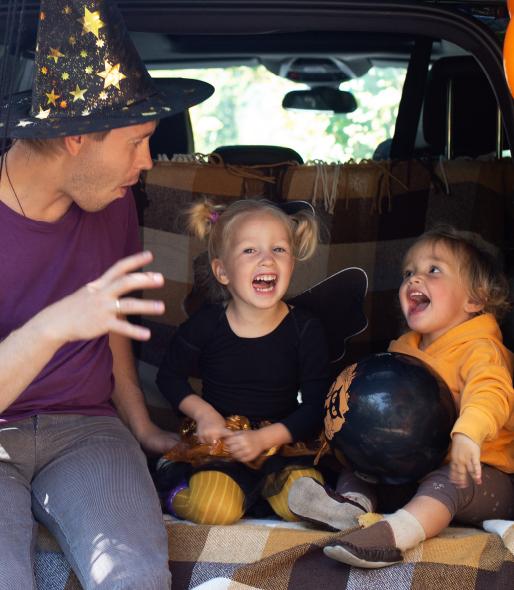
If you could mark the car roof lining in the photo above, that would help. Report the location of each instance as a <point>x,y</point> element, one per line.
<point>159,50</point>
<point>327,25</point>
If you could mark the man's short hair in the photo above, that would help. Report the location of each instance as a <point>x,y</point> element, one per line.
<point>48,147</point>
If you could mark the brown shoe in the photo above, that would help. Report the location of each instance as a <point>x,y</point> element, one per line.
<point>311,501</point>
<point>369,548</point>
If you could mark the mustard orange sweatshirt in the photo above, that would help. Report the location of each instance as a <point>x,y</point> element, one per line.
<point>477,368</point>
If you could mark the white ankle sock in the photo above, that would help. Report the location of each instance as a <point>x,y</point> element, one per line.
<point>407,529</point>
<point>504,528</point>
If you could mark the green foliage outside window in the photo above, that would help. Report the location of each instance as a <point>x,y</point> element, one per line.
<point>246,109</point>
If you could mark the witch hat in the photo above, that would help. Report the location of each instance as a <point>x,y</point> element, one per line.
<point>89,77</point>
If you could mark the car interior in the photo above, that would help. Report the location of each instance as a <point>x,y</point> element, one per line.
<point>444,116</point>
<point>389,117</point>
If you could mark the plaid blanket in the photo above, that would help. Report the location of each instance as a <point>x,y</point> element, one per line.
<point>370,213</point>
<point>273,555</point>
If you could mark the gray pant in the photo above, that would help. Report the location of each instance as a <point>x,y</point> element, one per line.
<point>86,479</point>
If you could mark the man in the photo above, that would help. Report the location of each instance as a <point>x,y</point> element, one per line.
<point>69,260</point>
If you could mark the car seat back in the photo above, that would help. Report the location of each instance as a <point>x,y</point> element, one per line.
<point>460,112</point>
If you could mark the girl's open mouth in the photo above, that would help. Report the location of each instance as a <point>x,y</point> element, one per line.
<point>418,301</point>
<point>264,283</point>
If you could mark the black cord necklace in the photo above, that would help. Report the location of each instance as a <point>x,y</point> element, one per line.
<point>12,187</point>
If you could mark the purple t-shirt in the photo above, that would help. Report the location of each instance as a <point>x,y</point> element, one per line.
<point>41,263</point>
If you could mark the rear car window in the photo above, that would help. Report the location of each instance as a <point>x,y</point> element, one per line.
<point>247,109</point>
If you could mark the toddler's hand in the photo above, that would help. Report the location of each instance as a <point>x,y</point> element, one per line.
<point>245,445</point>
<point>465,458</point>
<point>210,427</point>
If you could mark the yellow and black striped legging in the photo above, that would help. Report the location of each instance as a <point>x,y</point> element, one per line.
<point>215,498</point>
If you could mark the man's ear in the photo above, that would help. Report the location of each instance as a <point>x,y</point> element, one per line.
<point>73,144</point>
<point>218,271</point>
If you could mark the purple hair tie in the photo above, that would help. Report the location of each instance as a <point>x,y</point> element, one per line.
<point>214,216</point>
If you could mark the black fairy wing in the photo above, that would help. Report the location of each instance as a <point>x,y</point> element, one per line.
<point>338,301</point>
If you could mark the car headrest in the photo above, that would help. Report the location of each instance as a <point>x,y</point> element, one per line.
<point>474,116</point>
<point>174,135</point>
<point>253,155</point>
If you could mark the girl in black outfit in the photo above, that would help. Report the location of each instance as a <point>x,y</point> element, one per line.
<point>253,353</point>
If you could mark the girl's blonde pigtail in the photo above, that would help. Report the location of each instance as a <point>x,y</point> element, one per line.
<point>305,234</point>
<point>201,217</point>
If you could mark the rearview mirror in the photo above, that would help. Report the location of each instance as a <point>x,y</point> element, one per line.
<point>320,98</point>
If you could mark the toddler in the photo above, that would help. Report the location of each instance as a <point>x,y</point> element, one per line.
<point>451,294</point>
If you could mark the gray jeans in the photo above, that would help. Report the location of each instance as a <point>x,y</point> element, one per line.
<point>86,479</point>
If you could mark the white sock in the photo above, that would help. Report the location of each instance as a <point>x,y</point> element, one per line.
<point>504,528</point>
<point>361,499</point>
<point>407,529</point>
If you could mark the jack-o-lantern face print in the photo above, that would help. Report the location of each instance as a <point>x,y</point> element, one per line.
<point>336,402</point>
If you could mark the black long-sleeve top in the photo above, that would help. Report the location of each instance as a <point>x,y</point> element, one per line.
<point>256,377</point>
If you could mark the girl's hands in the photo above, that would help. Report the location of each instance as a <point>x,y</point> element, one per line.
<point>99,307</point>
<point>245,445</point>
<point>210,426</point>
<point>465,458</point>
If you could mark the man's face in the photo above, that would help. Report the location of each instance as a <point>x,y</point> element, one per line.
<point>102,170</point>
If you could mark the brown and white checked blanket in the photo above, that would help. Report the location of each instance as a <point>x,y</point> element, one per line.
<point>272,555</point>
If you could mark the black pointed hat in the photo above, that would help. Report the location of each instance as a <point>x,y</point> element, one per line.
<point>89,77</point>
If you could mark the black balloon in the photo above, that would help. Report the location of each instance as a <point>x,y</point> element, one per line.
<point>390,415</point>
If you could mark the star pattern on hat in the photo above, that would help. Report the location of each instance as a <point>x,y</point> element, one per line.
<point>43,114</point>
<point>78,93</point>
<point>91,22</point>
<point>87,69</point>
<point>52,97</point>
<point>111,75</point>
<point>55,54</point>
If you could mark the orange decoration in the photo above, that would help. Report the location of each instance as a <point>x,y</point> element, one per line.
<point>508,50</point>
<point>191,450</point>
